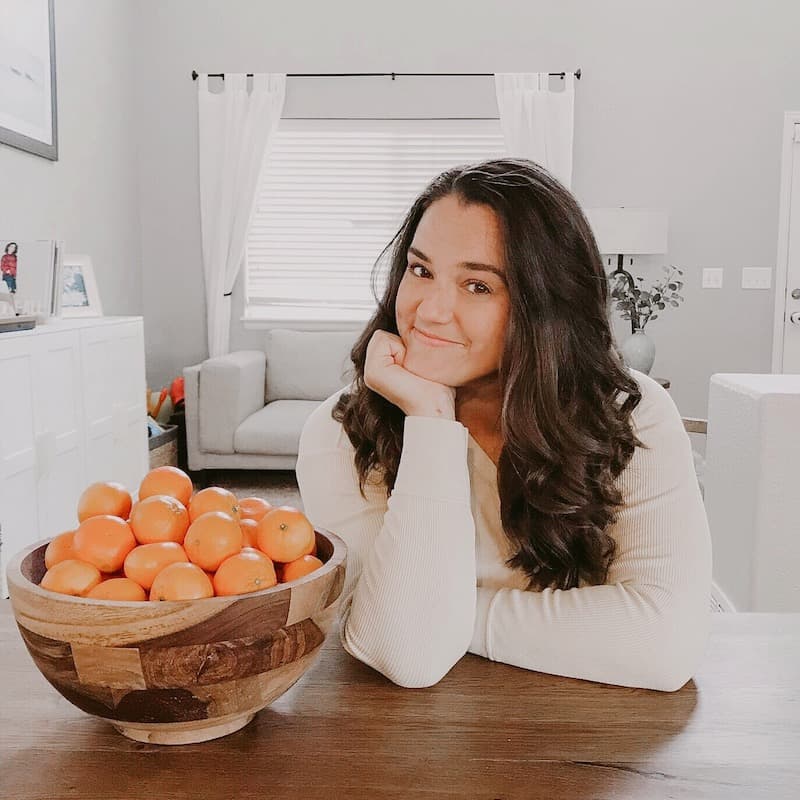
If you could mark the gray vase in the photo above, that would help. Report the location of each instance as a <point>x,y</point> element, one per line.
<point>639,351</point>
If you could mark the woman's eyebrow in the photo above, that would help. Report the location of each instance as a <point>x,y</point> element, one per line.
<point>471,265</point>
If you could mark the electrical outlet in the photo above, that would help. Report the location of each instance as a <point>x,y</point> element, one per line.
<point>756,277</point>
<point>712,278</point>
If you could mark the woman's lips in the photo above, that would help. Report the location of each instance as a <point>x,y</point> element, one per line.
<point>432,342</point>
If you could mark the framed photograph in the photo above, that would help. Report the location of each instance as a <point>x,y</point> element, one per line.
<point>27,272</point>
<point>28,77</point>
<point>79,297</point>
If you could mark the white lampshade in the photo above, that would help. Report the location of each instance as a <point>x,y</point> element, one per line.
<point>628,231</point>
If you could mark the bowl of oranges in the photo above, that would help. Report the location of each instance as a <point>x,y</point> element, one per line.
<point>178,614</point>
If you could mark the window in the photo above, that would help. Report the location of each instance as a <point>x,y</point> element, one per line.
<point>332,194</point>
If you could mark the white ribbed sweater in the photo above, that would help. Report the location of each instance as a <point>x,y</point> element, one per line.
<point>426,580</point>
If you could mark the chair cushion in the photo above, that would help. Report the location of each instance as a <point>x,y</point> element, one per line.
<point>275,429</point>
<point>308,365</point>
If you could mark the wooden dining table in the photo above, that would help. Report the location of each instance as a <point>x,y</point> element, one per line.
<point>486,730</point>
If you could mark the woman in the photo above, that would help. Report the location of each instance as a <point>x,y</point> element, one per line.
<point>510,489</point>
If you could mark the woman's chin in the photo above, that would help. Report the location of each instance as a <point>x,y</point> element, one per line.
<point>426,368</point>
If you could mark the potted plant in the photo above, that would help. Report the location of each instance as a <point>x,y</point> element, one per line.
<point>640,305</point>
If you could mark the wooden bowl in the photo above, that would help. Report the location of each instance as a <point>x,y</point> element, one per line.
<point>177,672</point>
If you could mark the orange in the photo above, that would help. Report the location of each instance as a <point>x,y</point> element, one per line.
<point>71,577</point>
<point>214,498</point>
<point>212,538</point>
<point>117,589</point>
<point>248,571</point>
<point>250,531</point>
<point>253,508</point>
<point>159,518</point>
<point>59,549</point>
<point>299,567</point>
<point>104,497</point>
<point>144,562</point>
<point>104,541</point>
<point>167,480</point>
<point>181,581</point>
<point>285,534</point>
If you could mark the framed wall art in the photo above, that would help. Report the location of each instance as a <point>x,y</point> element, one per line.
<point>28,77</point>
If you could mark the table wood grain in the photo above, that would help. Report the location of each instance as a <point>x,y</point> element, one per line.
<point>487,730</point>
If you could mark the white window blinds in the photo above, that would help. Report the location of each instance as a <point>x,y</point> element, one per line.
<point>332,194</point>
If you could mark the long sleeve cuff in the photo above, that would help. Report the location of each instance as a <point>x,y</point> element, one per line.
<point>480,635</point>
<point>434,460</point>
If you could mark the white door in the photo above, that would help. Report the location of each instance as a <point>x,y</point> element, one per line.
<point>97,358</point>
<point>115,405</point>
<point>58,430</point>
<point>19,507</point>
<point>786,331</point>
<point>131,449</point>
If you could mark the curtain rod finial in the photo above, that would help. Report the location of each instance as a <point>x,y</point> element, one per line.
<point>195,75</point>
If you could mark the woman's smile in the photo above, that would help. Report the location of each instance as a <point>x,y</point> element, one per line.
<point>427,340</point>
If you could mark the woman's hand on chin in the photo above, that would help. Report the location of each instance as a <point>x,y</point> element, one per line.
<point>385,374</point>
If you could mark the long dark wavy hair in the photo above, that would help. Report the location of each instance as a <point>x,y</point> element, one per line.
<point>565,435</point>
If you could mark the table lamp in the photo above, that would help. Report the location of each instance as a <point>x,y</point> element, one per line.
<point>628,231</point>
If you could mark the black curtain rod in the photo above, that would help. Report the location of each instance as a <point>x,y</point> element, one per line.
<point>195,74</point>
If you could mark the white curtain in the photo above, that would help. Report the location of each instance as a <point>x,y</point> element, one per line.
<point>538,124</point>
<point>235,128</point>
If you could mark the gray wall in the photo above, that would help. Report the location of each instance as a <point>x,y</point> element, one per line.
<point>680,107</point>
<point>89,197</point>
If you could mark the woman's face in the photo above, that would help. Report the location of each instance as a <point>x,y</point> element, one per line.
<point>440,295</point>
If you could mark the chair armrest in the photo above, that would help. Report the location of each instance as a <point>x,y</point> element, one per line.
<point>231,388</point>
<point>191,397</point>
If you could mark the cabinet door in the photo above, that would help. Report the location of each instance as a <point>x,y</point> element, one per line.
<point>19,508</point>
<point>115,410</point>
<point>131,449</point>
<point>57,411</point>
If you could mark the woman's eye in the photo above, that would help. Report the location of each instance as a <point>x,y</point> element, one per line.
<point>484,288</point>
<point>412,267</point>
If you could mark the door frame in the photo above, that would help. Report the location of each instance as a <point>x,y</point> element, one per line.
<point>790,120</point>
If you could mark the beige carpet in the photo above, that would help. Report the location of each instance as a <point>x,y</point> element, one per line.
<point>278,487</point>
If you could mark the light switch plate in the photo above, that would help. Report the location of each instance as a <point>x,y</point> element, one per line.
<point>756,277</point>
<point>712,277</point>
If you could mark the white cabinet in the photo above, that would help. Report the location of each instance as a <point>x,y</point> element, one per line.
<point>72,411</point>
<point>115,406</point>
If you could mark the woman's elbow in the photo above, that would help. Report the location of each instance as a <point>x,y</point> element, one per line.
<point>678,660</point>
<point>669,680</point>
<point>417,674</point>
<point>417,677</point>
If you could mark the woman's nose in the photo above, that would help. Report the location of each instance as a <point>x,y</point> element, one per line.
<point>437,305</point>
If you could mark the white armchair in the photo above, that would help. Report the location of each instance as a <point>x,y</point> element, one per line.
<point>246,410</point>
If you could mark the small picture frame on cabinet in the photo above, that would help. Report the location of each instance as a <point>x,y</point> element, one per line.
<point>79,297</point>
<point>28,271</point>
